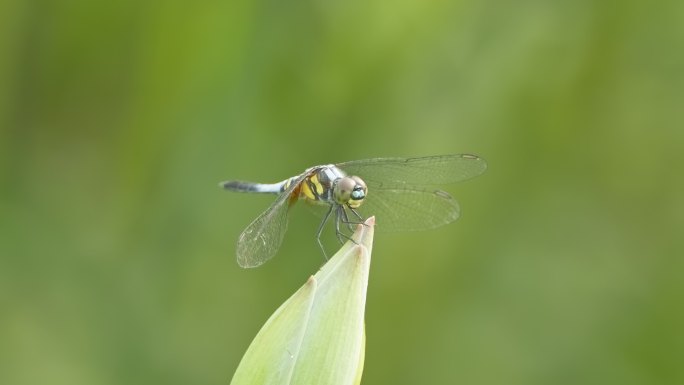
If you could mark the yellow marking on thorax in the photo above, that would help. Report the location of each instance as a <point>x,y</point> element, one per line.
<point>307,184</point>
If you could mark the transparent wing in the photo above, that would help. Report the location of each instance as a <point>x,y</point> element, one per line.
<point>410,209</point>
<point>403,172</point>
<point>260,241</point>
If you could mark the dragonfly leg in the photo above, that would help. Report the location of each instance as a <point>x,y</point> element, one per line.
<point>320,231</point>
<point>345,220</point>
<point>357,214</point>
<point>361,220</point>
<point>341,216</point>
<point>338,233</point>
<point>349,223</point>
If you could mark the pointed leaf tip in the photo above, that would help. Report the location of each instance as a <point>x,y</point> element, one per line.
<point>317,336</point>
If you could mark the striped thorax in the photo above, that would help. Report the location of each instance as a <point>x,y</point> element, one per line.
<point>330,185</point>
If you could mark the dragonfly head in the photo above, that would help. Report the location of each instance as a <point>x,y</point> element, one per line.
<point>350,191</point>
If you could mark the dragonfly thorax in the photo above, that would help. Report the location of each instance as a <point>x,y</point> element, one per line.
<point>332,186</point>
<point>349,191</point>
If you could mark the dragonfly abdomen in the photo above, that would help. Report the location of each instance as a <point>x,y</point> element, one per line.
<point>248,187</point>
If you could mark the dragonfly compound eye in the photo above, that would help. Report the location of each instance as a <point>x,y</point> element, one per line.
<point>350,191</point>
<point>358,193</point>
<point>343,189</point>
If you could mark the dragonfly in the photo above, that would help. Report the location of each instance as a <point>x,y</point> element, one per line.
<point>400,192</point>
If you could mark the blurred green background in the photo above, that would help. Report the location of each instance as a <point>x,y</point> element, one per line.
<point>119,118</point>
